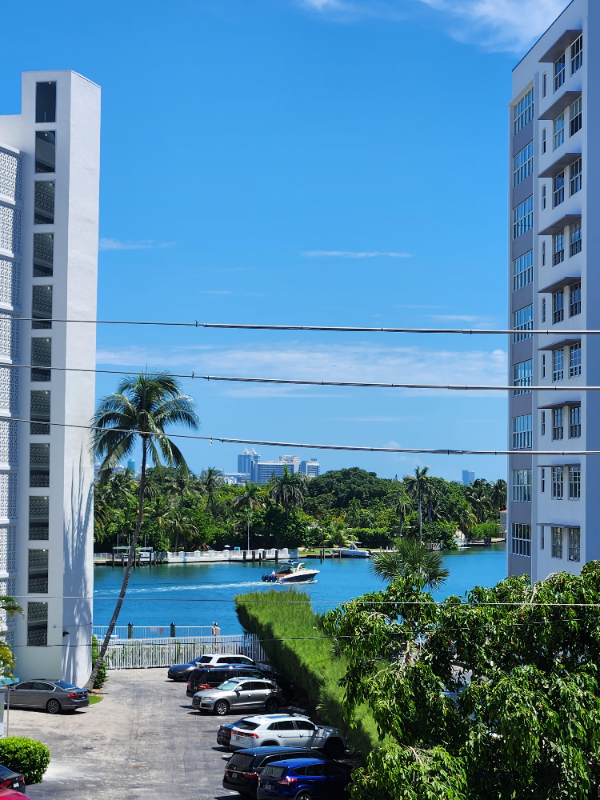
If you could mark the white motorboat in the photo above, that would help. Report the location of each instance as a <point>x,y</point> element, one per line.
<point>352,551</point>
<point>292,572</point>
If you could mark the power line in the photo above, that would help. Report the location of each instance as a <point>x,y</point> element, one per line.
<point>344,447</point>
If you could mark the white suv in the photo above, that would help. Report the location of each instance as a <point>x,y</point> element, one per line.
<point>212,659</point>
<point>286,730</point>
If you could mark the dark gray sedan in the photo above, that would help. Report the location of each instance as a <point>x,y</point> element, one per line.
<point>54,696</point>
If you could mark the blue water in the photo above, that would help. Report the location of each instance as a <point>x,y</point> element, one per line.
<point>202,594</point>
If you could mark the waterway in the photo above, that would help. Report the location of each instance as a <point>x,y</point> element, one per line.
<point>202,594</point>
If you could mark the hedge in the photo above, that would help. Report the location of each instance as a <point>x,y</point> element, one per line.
<point>291,634</point>
<point>26,756</point>
<point>102,675</point>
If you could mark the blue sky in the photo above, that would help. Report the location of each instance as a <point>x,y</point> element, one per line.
<point>316,162</point>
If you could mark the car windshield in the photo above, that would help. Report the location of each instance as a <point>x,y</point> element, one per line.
<point>241,762</point>
<point>64,685</point>
<point>228,686</point>
<point>246,725</point>
<point>205,660</point>
<point>273,772</point>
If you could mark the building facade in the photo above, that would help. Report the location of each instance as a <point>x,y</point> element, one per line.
<point>552,284</point>
<point>468,477</point>
<point>49,191</point>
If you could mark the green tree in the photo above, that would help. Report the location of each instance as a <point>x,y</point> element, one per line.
<point>141,409</point>
<point>287,491</point>
<point>412,561</point>
<point>498,494</point>
<point>250,501</point>
<point>417,486</point>
<point>212,481</point>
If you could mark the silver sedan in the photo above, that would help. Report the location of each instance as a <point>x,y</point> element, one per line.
<point>239,694</point>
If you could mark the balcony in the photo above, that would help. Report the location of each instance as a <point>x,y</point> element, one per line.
<point>560,224</point>
<point>559,46</point>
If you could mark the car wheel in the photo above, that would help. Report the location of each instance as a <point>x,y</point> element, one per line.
<point>271,705</point>
<point>334,748</point>
<point>221,708</point>
<point>304,796</point>
<point>53,707</point>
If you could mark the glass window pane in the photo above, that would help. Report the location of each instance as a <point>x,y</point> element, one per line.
<point>45,151</point>
<point>38,572</point>
<point>39,518</point>
<point>40,413</point>
<point>39,465</point>
<point>41,306</point>
<point>45,102</point>
<point>37,624</point>
<point>43,255</point>
<point>44,203</point>
<point>41,356</point>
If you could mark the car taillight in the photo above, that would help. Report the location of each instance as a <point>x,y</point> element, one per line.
<point>74,696</point>
<point>249,735</point>
<point>203,686</point>
<point>250,775</point>
<point>6,784</point>
<point>189,684</point>
<point>287,781</point>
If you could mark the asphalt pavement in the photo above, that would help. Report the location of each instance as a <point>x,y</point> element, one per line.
<point>143,740</point>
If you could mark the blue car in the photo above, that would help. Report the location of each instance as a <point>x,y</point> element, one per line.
<point>303,779</point>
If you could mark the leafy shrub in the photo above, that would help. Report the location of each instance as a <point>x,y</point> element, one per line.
<point>371,537</point>
<point>293,638</point>
<point>485,529</point>
<point>102,675</point>
<point>442,532</point>
<point>26,756</point>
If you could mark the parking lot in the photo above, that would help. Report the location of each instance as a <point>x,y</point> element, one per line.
<point>142,741</point>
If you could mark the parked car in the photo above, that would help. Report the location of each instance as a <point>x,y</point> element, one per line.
<point>303,779</point>
<point>244,767</point>
<point>54,696</point>
<point>9,779</point>
<point>12,794</point>
<point>238,694</point>
<point>290,730</point>
<point>224,732</point>
<point>211,677</point>
<point>181,672</point>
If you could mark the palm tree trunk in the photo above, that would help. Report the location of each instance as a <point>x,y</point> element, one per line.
<point>130,559</point>
<point>248,530</point>
<point>400,526</point>
<point>420,520</point>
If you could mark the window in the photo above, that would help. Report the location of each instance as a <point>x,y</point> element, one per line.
<point>544,365</point>
<point>542,542</point>
<point>543,479</point>
<point>45,101</point>
<point>523,164</point>
<point>521,539</point>
<point>575,360</point>
<point>557,534</point>
<point>559,248</point>
<point>41,356</point>
<point>523,218</point>
<point>39,518</point>
<point>575,235</point>
<point>41,307</point>
<point>543,430</point>
<point>521,432</point>
<point>43,255</point>
<point>575,482</point>
<point>38,572</point>
<point>43,203</point>
<point>558,189</point>
<point>559,72</point>
<point>576,55</point>
<point>559,130</point>
<point>543,196</point>
<point>558,363</point>
<point>575,299</point>
<point>543,309</point>
<point>521,486</point>
<point>575,117</point>
<point>39,413</point>
<point>39,465</point>
<point>523,271</point>
<point>575,422</point>
<point>544,253</point>
<point>557,423</point>
<point>523,321</point>
<point>544,85</point>
<point>575,179</point>
<point>523,111</point>
<point>574,544</point>
<point>543,140</point>
<point>37,622</point>
<point>557,483</point>
<point>45,151</point>
<point>522,375</point>
<point>558,306</point>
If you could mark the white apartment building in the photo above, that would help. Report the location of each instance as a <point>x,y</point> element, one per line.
<point>49,186</point>
<point>553,516</point>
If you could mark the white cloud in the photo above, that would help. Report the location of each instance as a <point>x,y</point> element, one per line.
<point>115,244</point>
<point>360,362</point>
<point>352,254</point>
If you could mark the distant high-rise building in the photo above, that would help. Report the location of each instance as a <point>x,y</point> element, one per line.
<point>245,461</point>
<point>311,468</point>
<point>131,465</point>
<point>468,477</point>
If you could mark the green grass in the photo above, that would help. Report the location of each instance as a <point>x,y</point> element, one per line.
<point>292,636</point>
<point>95,699</point>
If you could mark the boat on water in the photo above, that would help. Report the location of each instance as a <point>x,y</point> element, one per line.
<point>352,551</point>
<point>291,572</point>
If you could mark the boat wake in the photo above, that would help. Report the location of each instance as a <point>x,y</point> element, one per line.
<point>186,587</point>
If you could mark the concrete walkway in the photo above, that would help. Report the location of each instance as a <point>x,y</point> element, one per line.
<point>142,741</point>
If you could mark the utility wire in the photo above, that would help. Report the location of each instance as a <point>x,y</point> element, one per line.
<point>353,448</point>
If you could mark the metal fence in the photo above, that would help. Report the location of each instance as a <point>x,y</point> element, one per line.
<point>153,631</point>
<point>145,653</point>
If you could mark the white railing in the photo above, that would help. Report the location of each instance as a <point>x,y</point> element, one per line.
<point>153,631</point>
<point>146,653</point>
<point>204,556</point>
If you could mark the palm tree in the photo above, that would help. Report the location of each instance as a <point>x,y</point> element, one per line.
<point>212,480</point>
<point>417,485</point>
<point>181,523</point>
<point>465,518</point>
<point>498,495</point>
<point>287,491</point>
<point>480,501</point>
<point>403,509</point>
<point>142,407</point>
<point>411,560</point>
<point>251,500</point>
